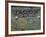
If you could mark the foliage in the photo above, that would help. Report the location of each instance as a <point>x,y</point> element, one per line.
<point>28,18</point>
